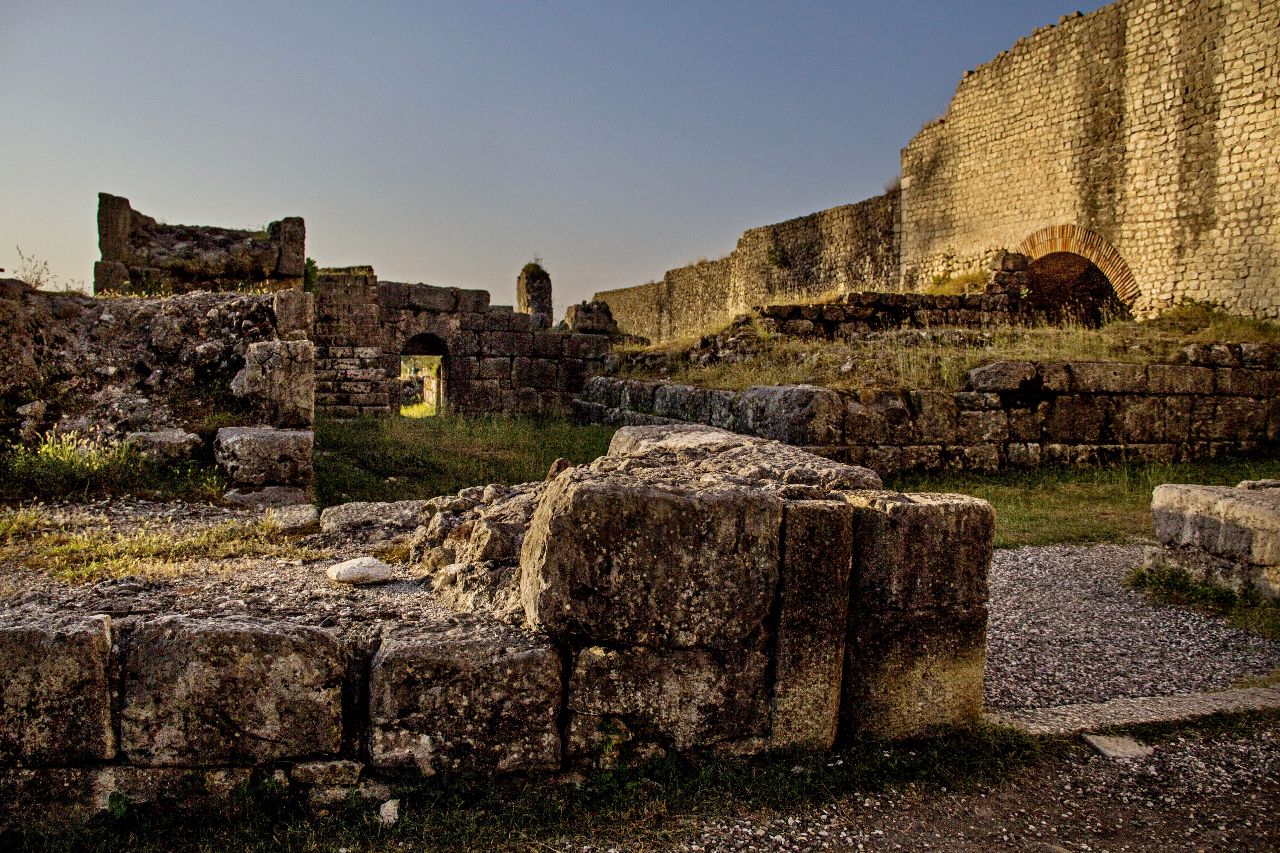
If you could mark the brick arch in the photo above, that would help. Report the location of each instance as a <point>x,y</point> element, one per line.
<point>1087,244</point>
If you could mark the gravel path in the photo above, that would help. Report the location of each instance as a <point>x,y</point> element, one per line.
<point>1064,629</point>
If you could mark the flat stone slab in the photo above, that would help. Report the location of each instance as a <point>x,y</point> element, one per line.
<point>1118,747</point>
<point>1078,719</point>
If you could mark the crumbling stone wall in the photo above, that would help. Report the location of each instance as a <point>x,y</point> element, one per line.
<point>1225,399</point>
<point>692,592</point>
<point>863,313</point>
<point>140,255</point>
<point>1141,134</point>
<point>494,359</point>
<point>843,249</point>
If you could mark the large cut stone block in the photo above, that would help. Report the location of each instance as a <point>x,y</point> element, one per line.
<point>1235,524</point>
<point>817,558</point>
<point>278,381</point>
<point>262,456</point>
<point>617,559</point>
<point>55,699</point>
<point>625,702</point>
<point>234,691</point>
<point>470,699</point>
<point>795,414</point>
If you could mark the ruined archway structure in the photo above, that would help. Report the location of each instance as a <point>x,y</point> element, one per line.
<point>1087,244</point>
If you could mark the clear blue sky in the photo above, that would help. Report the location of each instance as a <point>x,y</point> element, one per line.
<point>450,142</point>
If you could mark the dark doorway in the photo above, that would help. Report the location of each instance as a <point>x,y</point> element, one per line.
<point>1064,287</point>
<point>423,376</point>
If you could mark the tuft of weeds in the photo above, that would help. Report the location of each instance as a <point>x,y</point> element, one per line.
<point>1049,506</point>
<point>384,459</point>
<point>22,524</point>
<point>648,807</point>
<point>1170,585</point>
<point>67,466</point>
<point>87,556</point>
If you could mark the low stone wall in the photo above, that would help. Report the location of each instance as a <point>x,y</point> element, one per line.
<point>694,591</point>
<point>140,255</point>
<point>494,359</point>
<point>870,311</point>
<point>1221,536</point>
<point>1225,399</point>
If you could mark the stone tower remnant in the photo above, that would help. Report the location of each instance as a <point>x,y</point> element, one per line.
<point>533,290</point>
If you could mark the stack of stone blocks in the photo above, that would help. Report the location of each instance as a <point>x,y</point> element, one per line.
<point>693,591</point>
<point>494,359</point>
<point>1222,399</point>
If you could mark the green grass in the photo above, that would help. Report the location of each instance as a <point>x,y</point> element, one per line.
<point>383,459</point>
<point>71,467</point>
<point>1172,586</point>
<point>1079,505</point>
<point>92,554</point>
<point>649,805</point>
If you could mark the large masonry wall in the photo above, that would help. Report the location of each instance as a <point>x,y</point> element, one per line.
<point>1143,133</point>
<point>843,249</point>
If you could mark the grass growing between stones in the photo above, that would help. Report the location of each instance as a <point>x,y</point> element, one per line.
<point>72,467</point>
<point>1171,586</point>
<point>386,459</point>
<point>929,364</point>
<point>36,541</point>
<point>650,807</point>
<point>1052,506</point>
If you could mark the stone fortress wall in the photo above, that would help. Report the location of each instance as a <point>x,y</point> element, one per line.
<point>846,249</point>
<point>141,255</point>
<point>1140,136</point>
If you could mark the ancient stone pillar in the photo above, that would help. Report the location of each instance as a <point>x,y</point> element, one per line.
<point>533,290</point>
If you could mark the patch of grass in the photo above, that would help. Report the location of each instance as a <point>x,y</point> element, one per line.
<point>382,459</point>
<point>1170,585</point>
<point>87,556</point>
<point>22,524</point>
<point>651,806</point>
<point>973,281</point>
<point>1078,505</point>
<point>71,467</point>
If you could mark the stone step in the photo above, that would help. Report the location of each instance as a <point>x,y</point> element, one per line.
<point>1066,720</point>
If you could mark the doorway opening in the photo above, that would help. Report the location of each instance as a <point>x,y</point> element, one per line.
<point>1064,287</point>
<point>423,377</point>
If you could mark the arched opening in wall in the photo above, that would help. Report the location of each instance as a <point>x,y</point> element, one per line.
<point>423,376</point>
<point>1063,287</point>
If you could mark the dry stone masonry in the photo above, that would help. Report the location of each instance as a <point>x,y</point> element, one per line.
<point>693,591</point>
<point>140,255</point>
<point>1223,399</point>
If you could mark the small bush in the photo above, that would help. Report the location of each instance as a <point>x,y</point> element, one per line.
<point>67,466</point>
<point>1170,585</point>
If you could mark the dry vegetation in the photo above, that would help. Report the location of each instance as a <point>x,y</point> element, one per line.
<point>898,361</point>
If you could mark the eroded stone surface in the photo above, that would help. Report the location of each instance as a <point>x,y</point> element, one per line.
<point>264,456</point>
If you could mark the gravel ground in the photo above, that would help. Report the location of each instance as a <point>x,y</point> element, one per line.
<point>1196,792</point>
<point>1064,629</point>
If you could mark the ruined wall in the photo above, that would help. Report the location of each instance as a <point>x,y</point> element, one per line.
<point>494,359</point>
<point>142,256</point>
<point>1224,399</point>
<point>1141,135</point>
<point>843,249</point>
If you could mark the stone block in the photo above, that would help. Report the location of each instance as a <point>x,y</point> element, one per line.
<point>56,698</point>
<point>813,606</point>
<point>637,396</point>
<point>171,446</point>
<point>1074,420</point>
<point>291,234</point>
<point>1107,377</point>
<point>603,390</point>
<point>1235,524</point>
<point>538,373</point>
<point>374,521</point>
<point>263,456</point>
<point>1246,383</point>
<point>1239,419</point>
<point>627,702</point>
<point>1136,420</point>
<point>1001,376</point>
<point>473,302</point>
<point>230,691</point>
<point>793,414</point>
<point>588,346</point>
<point>295,313</point>
<point>278,382</point>
<point>549,344</point>
<point>1179,379</point>
<point>494,368</point>
<point>863,425</point>
<point>615,559</point>
<point>982,427</point>
<point>476,699</point>
<point>935,416</point>
<point>424,297</point>
<point>1055,377</point>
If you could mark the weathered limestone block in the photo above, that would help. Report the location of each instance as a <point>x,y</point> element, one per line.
<point>1232,523</point>
<point>55,699</point>
<point>916,644</point>
<point>1073,420</point>
<point>230,691</point>
<point>1108,377</point>
<point>621,559</point>
<point>624,703</point>
<point>166,445</point>
<point>295,313</point>
<point>533,290</point>
<point>1001,376</point>
<point>291,234</point>
<point>935,418</point>
<point>813,606</point>
<point>794,414</point>
<point>261,456</point>
<point>278,381</point>
<point>591,318</point>
<point>473,698</point>
<point>374,521</point>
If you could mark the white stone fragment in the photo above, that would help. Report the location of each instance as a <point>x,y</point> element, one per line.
<point>361,570</point>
